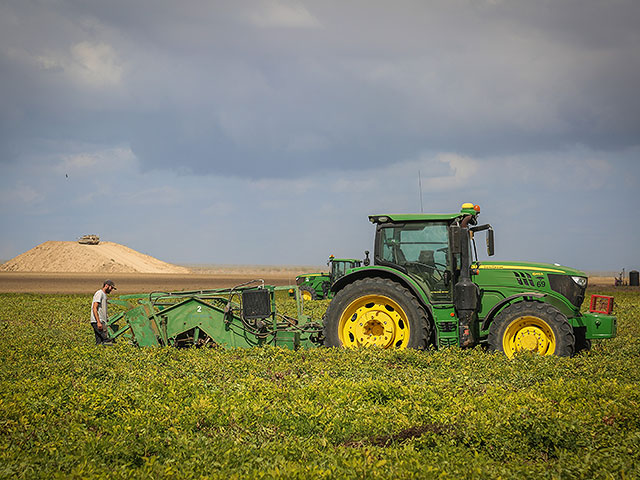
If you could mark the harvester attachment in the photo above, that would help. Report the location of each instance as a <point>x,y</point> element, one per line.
<point>243,316</point>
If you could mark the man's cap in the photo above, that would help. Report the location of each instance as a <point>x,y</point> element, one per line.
<point>110,283</point>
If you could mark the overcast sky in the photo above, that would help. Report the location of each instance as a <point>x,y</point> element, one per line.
<point>265,132</point>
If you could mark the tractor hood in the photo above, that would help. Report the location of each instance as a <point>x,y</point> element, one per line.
<point>529,267</point>
<point>567,284</point>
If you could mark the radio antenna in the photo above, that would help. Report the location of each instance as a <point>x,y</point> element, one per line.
<point>420,185</point>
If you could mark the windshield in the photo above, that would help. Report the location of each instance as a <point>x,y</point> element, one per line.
<point>339,268</point>
<point>422,249</point>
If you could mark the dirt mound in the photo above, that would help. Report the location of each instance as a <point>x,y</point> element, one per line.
<point>71,257</point>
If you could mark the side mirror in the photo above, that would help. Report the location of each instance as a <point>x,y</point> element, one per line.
<point>490,242</point>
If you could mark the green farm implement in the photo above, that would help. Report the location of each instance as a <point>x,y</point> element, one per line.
<point>426,287</point>
<point>317,286</point>
<point>244,316</point>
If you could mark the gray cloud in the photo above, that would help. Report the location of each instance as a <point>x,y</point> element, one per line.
<point>570,207</point>
<point>283,88</point>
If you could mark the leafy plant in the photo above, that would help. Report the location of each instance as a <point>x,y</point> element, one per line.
<point>73,410</point>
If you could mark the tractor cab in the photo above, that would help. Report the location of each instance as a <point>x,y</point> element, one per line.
<point>340,266</point>
<point>431,249</point>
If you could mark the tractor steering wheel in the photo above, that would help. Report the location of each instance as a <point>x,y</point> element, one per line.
<point>438,274</point>
<point>426,265</point>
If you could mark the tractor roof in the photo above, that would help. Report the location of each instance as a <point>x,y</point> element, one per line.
<point>411,217</point>
<point>467,209</point>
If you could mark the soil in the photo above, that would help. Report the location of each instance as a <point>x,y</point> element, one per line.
<point>69,267</point>
<point>88,283</point>
<point>601,281</point>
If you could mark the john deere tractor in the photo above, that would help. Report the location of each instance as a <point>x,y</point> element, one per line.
<point>427,287</point>
<point>317,286</point>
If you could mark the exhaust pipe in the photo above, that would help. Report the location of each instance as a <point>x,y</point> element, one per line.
<point>465,292</point>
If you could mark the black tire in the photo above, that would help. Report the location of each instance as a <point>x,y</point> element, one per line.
<point>326,288</point>
<point>306,291</point>
<point>376,311</point>
<point>582,342</point>
<point>532,326</point>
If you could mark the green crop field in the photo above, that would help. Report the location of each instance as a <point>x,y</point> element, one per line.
<point>69,409</point>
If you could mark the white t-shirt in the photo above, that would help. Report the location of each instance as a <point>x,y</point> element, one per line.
<point>101,298</point>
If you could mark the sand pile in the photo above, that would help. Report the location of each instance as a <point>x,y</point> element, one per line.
<point>106,257</point>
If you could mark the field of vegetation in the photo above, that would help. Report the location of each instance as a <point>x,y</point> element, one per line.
<point>69,409</point>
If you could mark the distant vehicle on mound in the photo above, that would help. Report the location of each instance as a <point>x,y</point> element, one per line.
<point>89,240</point>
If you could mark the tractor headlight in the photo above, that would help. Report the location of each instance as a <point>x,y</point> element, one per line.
<point>581,281</point>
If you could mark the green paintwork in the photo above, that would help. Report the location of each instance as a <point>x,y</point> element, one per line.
<point>144,329</point>
<point>531,266</point>
<point>412,217</point>
<point>210,318</point>
<point>598,325</point>
<point>499,280</point>
<point>421,217</point>
<point>317,282</point>
<point>500,283</point>
<point>321,283</point>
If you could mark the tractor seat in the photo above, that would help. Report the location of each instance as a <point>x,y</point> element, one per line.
<point>427,257</point>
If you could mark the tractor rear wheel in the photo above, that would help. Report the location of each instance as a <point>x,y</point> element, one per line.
<point>308,293</point>
<point>532,327</point>
<point>376,312</point>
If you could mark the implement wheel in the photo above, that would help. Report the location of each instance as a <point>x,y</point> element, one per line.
<point>532,327</point>
<point>307,293</point>
<point>376,312</point>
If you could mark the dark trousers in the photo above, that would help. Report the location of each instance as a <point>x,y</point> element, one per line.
<point>102,337</point>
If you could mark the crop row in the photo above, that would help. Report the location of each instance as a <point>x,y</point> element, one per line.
<point>70,409</point>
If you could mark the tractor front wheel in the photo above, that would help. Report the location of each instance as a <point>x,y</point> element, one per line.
<point>308,293</point>
<point>376,312</point>
<point>532,327</point>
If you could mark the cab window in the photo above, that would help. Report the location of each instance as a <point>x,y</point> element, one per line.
<point>422,249</point>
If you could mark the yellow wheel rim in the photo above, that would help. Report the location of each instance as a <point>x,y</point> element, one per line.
<point>374,320</point>
<point>529,334</point>
<point>306,295</point>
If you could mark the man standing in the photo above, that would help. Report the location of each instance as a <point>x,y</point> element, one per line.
<point>99,314</point>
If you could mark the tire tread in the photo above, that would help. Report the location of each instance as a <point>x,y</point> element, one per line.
<point>376,285</point>
<point>565,341</point>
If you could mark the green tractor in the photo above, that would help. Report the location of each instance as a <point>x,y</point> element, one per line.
<point>427,287</point>
<point>317,286</point>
